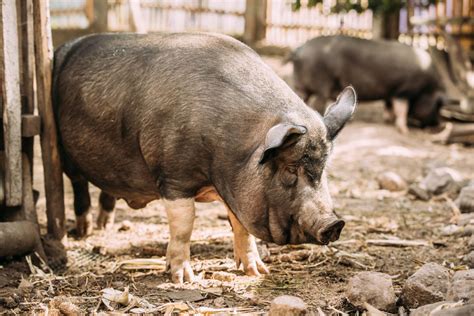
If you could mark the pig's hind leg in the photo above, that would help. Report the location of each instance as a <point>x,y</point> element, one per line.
<point>82,205</point>
<point>181,215</point>
<point>245,249</point>
<point>82,199</point>
<point>106,217</point>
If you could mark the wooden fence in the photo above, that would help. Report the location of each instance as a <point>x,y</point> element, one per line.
<point>282,26</point>
<point>420,25</point>
<point>181,15</point>
<point>285,27</point>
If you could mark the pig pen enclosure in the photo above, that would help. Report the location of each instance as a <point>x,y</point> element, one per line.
<point>407,200</point>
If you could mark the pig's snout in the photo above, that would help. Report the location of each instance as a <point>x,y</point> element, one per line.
<point>331,232</point>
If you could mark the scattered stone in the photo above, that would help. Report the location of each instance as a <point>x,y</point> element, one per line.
<point>443,308</point>
<point>426,310</point>
<point>470,245</point>
<point>372,311</point>
<point>223,276</point>
<point>288,305</point>
<point>374,288</point>
<point>466,310</point>
<point>419,192</point>
<point>466,219</point>
<point>440,180</point>
<point>125,226</point>
<point>220,302</point>
<point>391,181</point>
<point>465,201</point>
<point>427,285</point>
<point>65,306</point>
<point>462,286</point>
<point>457,230</point>
<point>469,259</point>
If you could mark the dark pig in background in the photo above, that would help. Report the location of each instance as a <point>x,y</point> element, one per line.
<point>404,77</point>
<point>190,117</point>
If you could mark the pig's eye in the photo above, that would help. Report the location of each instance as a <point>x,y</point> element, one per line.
<point>289,175</point>
<point>292,169</point>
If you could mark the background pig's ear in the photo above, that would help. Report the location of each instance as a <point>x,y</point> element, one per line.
<point>280,136</point>
<point>337,114</point>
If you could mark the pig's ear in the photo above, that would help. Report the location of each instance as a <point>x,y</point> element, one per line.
<point>280,136</point>
<point>337,114</point>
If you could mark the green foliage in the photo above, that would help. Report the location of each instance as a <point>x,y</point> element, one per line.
<point>377,6</point>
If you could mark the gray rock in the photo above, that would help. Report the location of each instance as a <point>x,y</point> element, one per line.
<point>457,230</point>
<point>470,245</point>
<point>426,310</point>
<point>391,181</point>
<point>440,180</point>
<point>426,286</point>
<point>469,259</point>
<point>288,305</point>
<point>466,219</point>
<point>374,288</point>
<point>466,310</point>
<point>418,192</point>
<point>445,308</point>
<point>465,201</point>
<point>462,286</point>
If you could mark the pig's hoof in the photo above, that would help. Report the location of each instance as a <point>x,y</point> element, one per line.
<point>253,265</point>
<point>402,129</point>
<point>182,273</point>
<point>84,225</point>
<point>106,219</point>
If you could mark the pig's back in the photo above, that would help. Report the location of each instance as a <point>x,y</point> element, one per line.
<point>129,104</point>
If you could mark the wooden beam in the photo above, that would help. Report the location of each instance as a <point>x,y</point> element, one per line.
<point>11,103</point>
<point>53,180</point>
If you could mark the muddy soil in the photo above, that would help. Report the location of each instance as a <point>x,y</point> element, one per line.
<point>317,274</point>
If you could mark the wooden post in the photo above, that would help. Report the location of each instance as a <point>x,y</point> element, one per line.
<point>135,19</point>
<point>255,21</point>
<point>53,180</point>
<point>89,11</point>
<point>11,103</point>
<point>100,16</point>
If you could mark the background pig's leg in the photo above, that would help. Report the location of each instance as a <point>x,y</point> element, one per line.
<point>245,249</point>
<point>400,108</point>
<point>388,114</point>
<point>106,213</point>
<point>180,220</point>
<point>82,204</point>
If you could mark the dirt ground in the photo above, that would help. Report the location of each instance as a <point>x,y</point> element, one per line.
<point>317,274</point>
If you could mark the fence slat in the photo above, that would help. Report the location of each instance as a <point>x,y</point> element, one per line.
<point>11,103</point>
<point>53,180</point>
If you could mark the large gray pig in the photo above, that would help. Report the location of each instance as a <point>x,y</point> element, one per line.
<point>405,77</point>
<point>195,117</point>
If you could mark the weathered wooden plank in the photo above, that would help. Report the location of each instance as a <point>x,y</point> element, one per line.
<point>28,71</point>
<point>53,180</point>
<point>11,104</point>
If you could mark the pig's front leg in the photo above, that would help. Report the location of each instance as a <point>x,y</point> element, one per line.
<point>400,109</point>
<point>245,249</point>
<point>180,219</point>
